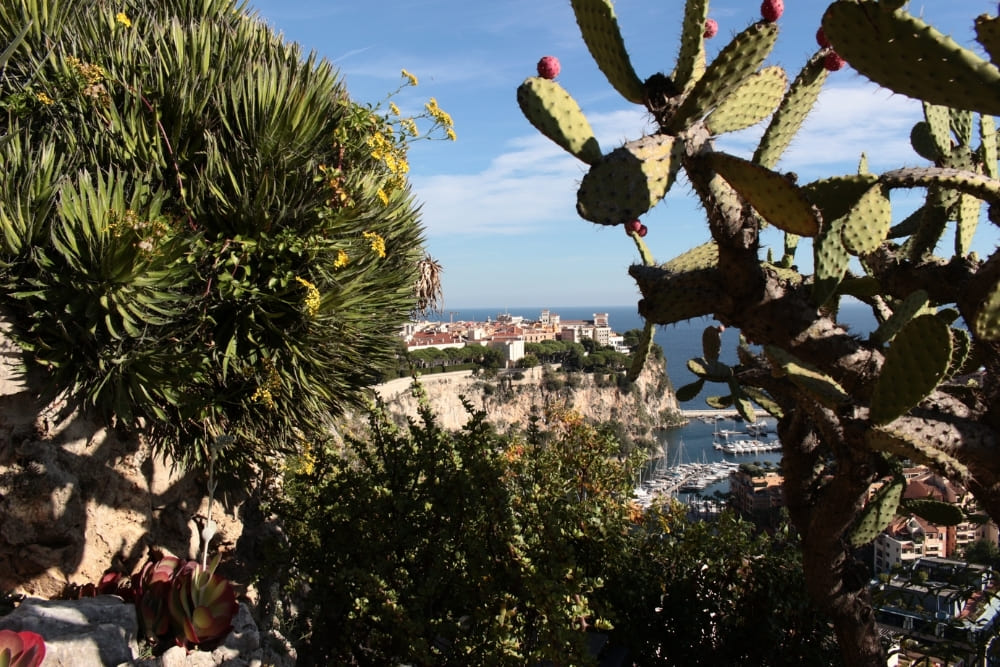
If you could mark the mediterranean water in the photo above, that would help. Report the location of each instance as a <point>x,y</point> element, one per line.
<point>694,441</point>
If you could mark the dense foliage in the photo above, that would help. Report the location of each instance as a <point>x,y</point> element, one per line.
<point>421,546</point>
<point>199,229</point>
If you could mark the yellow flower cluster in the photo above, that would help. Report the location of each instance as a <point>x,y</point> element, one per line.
<point>91,74</point>
<point>93,78</point>
<point>409,77</point>
<point>376,242</point>
<point>306,463</point>
<point>122,17</point>
<point>44,99</point>
<point>441,117</point>
<point>312,300</point>
<point>149,232</point>
<point>392,155</point>
<point>265,393</point>
<point>341,260</point>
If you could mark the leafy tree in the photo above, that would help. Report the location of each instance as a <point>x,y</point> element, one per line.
<point>199,230</point>
<point>716,593</point>
<point>982,551</point>
<point>422,546</point>
<point>528,361</point>
<point>924,385</point>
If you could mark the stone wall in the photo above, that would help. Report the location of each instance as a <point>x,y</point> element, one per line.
<point>77,498</point>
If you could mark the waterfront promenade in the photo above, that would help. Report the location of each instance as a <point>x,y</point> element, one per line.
<point>701,414</point>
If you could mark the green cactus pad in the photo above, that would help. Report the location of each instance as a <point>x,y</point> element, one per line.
<point>915,364</point>
<point>786,121</point>
<point>931,224</point>
<point>916,303</point>
<point>918,440</point>
<point>711,343</point>
<point>867,224</point>
<point>689,391</point>
<point>743,404</point>
<point>704,256</point>
<point>670,297</point>
<point>961,347</point>
<point>630,180</point>
<point>906,55</point>
<point>600,31</point>
<point>835,196</point>
<point>908,225</point>
<point>938,119</point>
<point>641,352</point>
<point>710,369</point>
<point>966,222</point>
<point>937,512</point>
<point>988,34</point>
<point>986,324</point>
<point>737,61</point>
<point>691,59</point>
<point>753,101</point>
<point>764,401</point>
<point>719,402</point>
<point>809,379</point>
<point>555,113</point>
<point>877,514</point>
<point>830,262</point>
<point>775,197</point>
<point>960,123</point>
<point>988,145</point>
<point>923,141</point>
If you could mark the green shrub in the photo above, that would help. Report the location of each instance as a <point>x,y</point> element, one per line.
<point>422,546</point>
<point>198,228</point>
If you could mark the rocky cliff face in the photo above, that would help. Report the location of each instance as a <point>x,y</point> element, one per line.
<point>642,407</point>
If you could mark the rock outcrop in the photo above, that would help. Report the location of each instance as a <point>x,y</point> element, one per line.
<point>641,407</point>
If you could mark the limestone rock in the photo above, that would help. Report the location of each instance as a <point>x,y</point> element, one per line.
<point>91,631</point>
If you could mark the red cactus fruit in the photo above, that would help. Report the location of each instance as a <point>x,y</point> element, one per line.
<point>548,67</point>
<point>641,231</point>
<point>821,38</point>
<point>833,62</point>
<point>771,10</point>
<point>632,226</point>
<point>711,28</point>
<point>21,649</point>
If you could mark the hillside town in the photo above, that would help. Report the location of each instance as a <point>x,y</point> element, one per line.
<point>509,333</point>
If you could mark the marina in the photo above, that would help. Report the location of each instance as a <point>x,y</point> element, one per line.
<point>699,458</point>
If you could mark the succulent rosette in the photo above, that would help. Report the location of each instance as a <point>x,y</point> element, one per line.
<point>21,649</point>
<point>202,604</point>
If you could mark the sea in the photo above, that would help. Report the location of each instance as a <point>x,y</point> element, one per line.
<point>693,442</point>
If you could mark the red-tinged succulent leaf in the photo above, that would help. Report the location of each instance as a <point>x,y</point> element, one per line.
<point>21,649</point>
<point>202,604</point>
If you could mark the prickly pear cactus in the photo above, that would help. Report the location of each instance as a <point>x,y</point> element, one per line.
<point>915,363</point>
<point>555,113</point>
<point>877,514</point>
<point>905,54</point>
<point>630,180</point>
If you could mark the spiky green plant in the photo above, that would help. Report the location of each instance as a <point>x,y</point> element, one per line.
<point>924,386</point>
<point>201,232</point>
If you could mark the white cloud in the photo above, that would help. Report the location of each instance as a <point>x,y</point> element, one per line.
<point>534,181</point>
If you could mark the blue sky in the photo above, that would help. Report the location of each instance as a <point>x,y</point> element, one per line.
<point>498,205</point>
